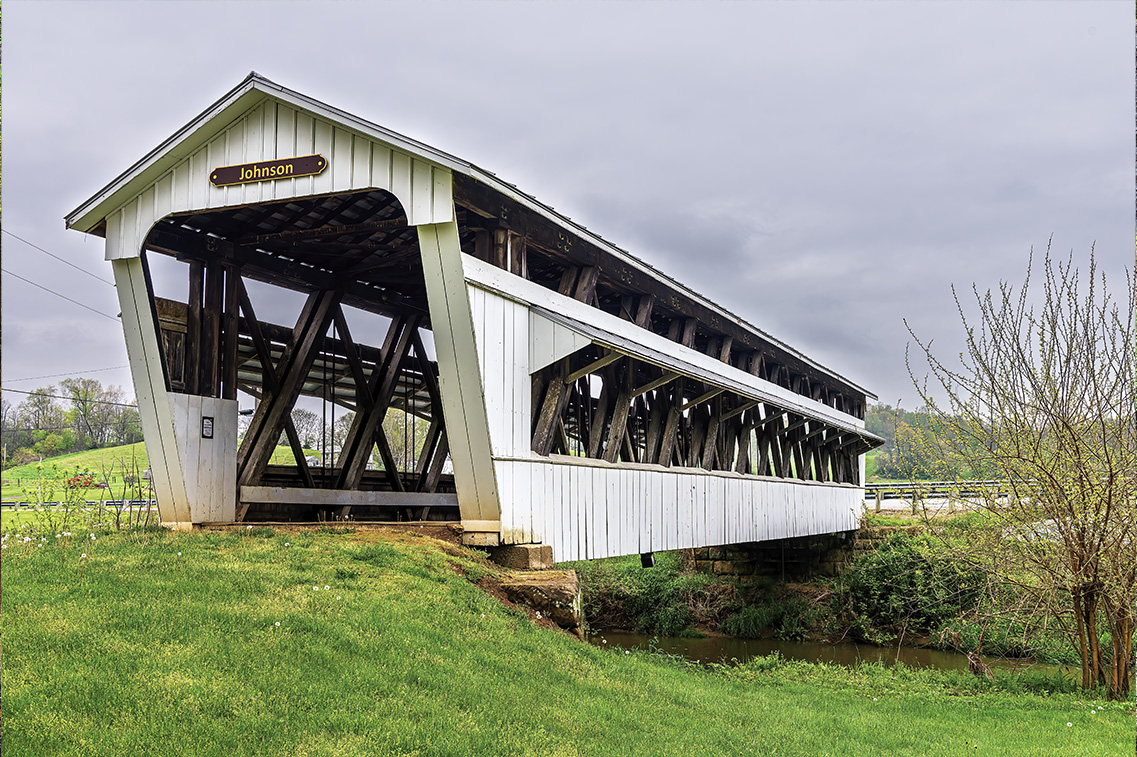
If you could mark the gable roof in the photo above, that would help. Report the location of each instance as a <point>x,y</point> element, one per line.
<point>254,89</point>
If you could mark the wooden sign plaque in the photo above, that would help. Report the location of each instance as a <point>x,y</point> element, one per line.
<point>268,170</point>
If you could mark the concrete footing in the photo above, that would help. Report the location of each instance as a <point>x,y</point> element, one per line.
<point>523,556</point>
<point>553,594</point>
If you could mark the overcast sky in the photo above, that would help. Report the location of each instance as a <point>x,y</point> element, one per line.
<point>823,170</point>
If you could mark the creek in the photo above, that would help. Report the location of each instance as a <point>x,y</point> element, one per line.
<point>725,648</point>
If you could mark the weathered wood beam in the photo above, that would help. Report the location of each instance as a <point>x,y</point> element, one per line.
<point>740,409</point>
<point>620,414</point>
<point>710,446</point>
<point>193,325</point>
<point>666,378</point>
<point>209,377</point>
<point>367,426</point>
<point>598,425</point>
<point>499,255</point>
<point>437,461</point>
<point>656,417</point>
<point>742,463</point>
<point>270,416</point>
<point>354,362</point>
<point>594,366</point>
<point>323,231</point>
<point>553,406</point>
<point>701,399</point>
<point>230,330</point>
<point>518,255</point>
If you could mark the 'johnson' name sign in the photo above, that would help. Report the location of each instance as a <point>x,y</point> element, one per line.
<point>268,170</point>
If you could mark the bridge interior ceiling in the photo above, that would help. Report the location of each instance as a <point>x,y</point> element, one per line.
<point>603,404</point>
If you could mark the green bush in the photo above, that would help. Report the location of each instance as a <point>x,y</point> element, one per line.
<point>906,586</point>
<point>664,600</point>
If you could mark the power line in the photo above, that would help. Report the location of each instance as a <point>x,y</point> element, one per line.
<point>73,373</point>
<point>57,294</point>
<point>61,260</point>
<point>69,399</point>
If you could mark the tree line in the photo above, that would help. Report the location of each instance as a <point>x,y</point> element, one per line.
<point>77,415</point>
<point>922,446</point>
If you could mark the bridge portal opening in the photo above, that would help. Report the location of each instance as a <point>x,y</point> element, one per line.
<point>341,395</point>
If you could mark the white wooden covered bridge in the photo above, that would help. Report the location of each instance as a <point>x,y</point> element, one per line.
<point>569,393</point>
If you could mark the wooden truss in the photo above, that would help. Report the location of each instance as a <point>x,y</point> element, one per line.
<point>276,365</point>
<point>603,404</point>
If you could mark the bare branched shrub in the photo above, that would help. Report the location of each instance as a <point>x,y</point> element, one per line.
<point>1043,399</point>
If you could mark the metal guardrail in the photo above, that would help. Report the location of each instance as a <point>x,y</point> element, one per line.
<point>114,503</point>
<point>916,492</point>
<point>891,490</point>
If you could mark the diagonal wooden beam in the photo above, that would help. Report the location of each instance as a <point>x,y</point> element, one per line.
<point>597,426</point>
<point>552,407</point>
<point>710,445</point>
<point>594,366</point>
<point>740,409</point>
<point>369,427</point>
<point>666,378</point>
<point>620,411</point>
<point>355,363</point>
<point>700,399</point>
<point>269,381</point>
<point>434,470</point>
<point>271,416</point>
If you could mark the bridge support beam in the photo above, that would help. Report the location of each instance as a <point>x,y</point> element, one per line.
<point>463,397</point>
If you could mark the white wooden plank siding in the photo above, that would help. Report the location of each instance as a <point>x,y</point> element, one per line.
<point>593,510</point>
<point>210,465</point>
<point>274,130</point>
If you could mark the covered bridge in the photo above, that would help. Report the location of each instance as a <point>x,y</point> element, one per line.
<point>560,390</point>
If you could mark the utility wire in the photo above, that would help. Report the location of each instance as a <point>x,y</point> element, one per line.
<point>61,260</point>
<point>57,294</point>
<point>72,373</point>
<point>69,399</point>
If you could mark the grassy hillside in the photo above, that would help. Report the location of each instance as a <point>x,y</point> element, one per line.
<point>255,642</point>
<point>112,460</point>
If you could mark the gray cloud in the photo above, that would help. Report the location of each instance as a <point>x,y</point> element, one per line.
<point>822,170</point>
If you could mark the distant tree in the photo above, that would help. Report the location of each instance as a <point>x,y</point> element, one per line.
<point>40,410</point>
<point>308,426</point>
<point>84,395</point>
<point>1044,399</point>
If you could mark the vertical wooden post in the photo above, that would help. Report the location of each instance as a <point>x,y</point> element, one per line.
<point>209,359</point>
<point>193,325</point>
<point>518,255</point>
<point>231,334</point>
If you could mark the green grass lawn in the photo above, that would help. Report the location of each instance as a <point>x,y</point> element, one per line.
<point>258,642</point>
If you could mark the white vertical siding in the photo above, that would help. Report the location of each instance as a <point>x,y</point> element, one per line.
<point>273,130</point>
<point>588,511</point>
<point>210,465</point>
<point>501,330</point>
